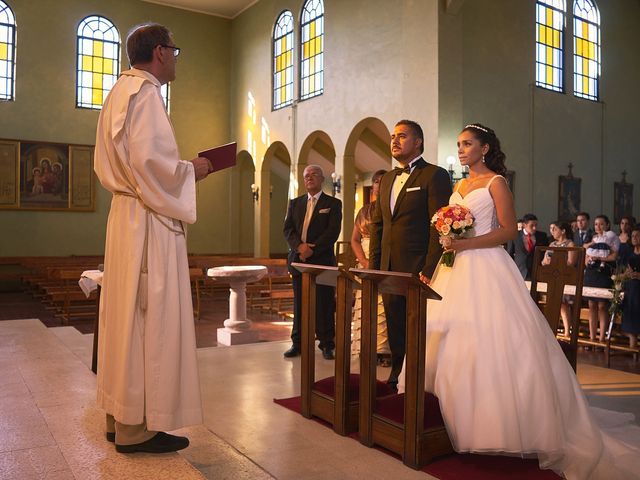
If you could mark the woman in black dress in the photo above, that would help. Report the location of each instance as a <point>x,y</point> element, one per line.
<point>631,302</point>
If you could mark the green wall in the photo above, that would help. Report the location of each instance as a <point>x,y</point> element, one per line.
<point>44,110</point>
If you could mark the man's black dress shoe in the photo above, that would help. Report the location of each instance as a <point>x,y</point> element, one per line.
<point>160,443</point>
<point>111,437</point>
<point>292,352</point>
<point>327,353</point>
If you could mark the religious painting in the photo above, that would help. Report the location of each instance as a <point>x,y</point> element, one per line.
<point>44,174</point>
<point>622,200</point>
<point>9,177</point>
<point>568,197</point>
<point>510,177</point>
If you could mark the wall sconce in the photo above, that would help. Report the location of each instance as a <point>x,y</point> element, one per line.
<point>335,181</point>
<point>255,190</point>
<point>451,160</point>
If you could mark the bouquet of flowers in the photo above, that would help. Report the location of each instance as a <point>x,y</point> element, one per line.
<point>451,221</point>
<point>619,278</point>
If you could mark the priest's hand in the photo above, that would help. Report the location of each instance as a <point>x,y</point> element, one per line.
<point>202,167</point>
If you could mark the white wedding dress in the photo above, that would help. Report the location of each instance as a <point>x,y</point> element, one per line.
<point>504,384</point>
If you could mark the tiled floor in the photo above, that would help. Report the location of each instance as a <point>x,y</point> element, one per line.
<point>50,427</point>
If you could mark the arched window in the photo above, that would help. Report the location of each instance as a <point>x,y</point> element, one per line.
<point>586,49</point>
<point>7,52</point>
<point>283,60</point>
<point>550,24</point>
<point>98,61</point>
<point>312,47</point>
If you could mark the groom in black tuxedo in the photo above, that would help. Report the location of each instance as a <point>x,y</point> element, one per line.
<point>311,229</point>
<point>523,246</point>
<point>402,239</point>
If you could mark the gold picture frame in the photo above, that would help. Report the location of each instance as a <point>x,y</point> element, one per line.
<point>46,176</point>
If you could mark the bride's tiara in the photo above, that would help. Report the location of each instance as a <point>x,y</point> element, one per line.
<point>477,127</point>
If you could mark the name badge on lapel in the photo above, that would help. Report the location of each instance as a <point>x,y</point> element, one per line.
<point>324,210</point>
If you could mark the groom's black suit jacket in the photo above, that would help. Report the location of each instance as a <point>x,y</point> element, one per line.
<point>404,241</point>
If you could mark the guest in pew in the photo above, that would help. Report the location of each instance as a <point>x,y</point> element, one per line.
<point>523,246</point>
<point>147,368</point>
<point>402,239</point>
<point>600,263</point>
<point>584,232</point>
<point>503,383</point>
<point>561,232</point>
<point>311,228</point>
<point>631,302</point>
<point>625,226</point>
<point>360,246</point>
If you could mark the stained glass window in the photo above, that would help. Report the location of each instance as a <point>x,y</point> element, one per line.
<point>550,24</point>
<point>586,49</point>
<point>98,61</point>
<point>283,61</point>
<point>312,48</point>
<point>7,52</point>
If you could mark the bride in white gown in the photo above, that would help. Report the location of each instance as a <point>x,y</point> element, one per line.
<point>504,384</point>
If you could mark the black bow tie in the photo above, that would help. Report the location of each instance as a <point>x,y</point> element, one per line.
<point>400,170</point>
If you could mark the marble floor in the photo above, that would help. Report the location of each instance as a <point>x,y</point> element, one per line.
<point>50,427</point>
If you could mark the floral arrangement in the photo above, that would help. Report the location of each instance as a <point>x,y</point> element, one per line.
<point>619,278</point>
<point>451,221</point>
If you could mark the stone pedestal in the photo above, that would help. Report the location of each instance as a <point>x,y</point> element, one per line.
<point>237,328</point>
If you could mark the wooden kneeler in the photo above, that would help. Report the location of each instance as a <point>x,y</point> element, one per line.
<point>408,424</point>
<point>334,399</point>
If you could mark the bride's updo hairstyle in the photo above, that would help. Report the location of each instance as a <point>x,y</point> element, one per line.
<point>495,157</point>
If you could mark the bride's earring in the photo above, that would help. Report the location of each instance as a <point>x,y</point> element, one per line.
<point>482,158</point>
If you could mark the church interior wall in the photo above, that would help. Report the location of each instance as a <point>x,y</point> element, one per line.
<point>44,110</point>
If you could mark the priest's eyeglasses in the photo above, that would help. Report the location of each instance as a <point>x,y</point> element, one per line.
<point>176,50</point>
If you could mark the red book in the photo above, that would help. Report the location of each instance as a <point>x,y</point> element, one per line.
<point>221,157</point>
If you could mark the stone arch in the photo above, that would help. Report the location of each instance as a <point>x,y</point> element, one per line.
<point>243,177</point>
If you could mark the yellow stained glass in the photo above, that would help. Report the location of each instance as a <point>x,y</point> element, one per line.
<point>585,67</point>
<point>549,39</point>
<point>318,44</point>
<point>305,50</point>
<point>549,16</point>
<point>312,65</point>
<point>97,80</point>
<point>283,77</point>
<point>96,97</point>
<point>108,66</point>
<point>4,51</point>
<point>312,29</point>
<point>541,33</point>
<point>312,83</point>
<point>283,44</point>
<point>556,38</point>
<point>578,46</point>
<point>283,96</point>
<point>549,55</point>
<point>585,85</point>
<point>98,48</point>
<point>278,63</point>
<point>86,63</point>
<point>289,58</point>
<point>312,48</point>
<point>97,65</point>
<point>592,51</point>
<point>549,75</point>
<point>585,30</point>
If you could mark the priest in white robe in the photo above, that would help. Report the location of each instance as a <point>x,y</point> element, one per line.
<point>147,367</point>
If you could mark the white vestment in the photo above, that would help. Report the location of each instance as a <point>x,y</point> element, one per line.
<point>147,366</point>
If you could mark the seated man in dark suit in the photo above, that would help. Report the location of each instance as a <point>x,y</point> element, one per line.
<point>311,229</point>
<point>523,246</point>
<point>584,233</point>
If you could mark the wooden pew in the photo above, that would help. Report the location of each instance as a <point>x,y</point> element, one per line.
<point>557,274</point>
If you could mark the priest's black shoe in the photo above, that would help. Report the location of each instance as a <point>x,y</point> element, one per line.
<point>160,443</point>
<point>292,352</point>
<point>327,353</point>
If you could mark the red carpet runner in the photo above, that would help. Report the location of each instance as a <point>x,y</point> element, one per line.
<point>463,467</point>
